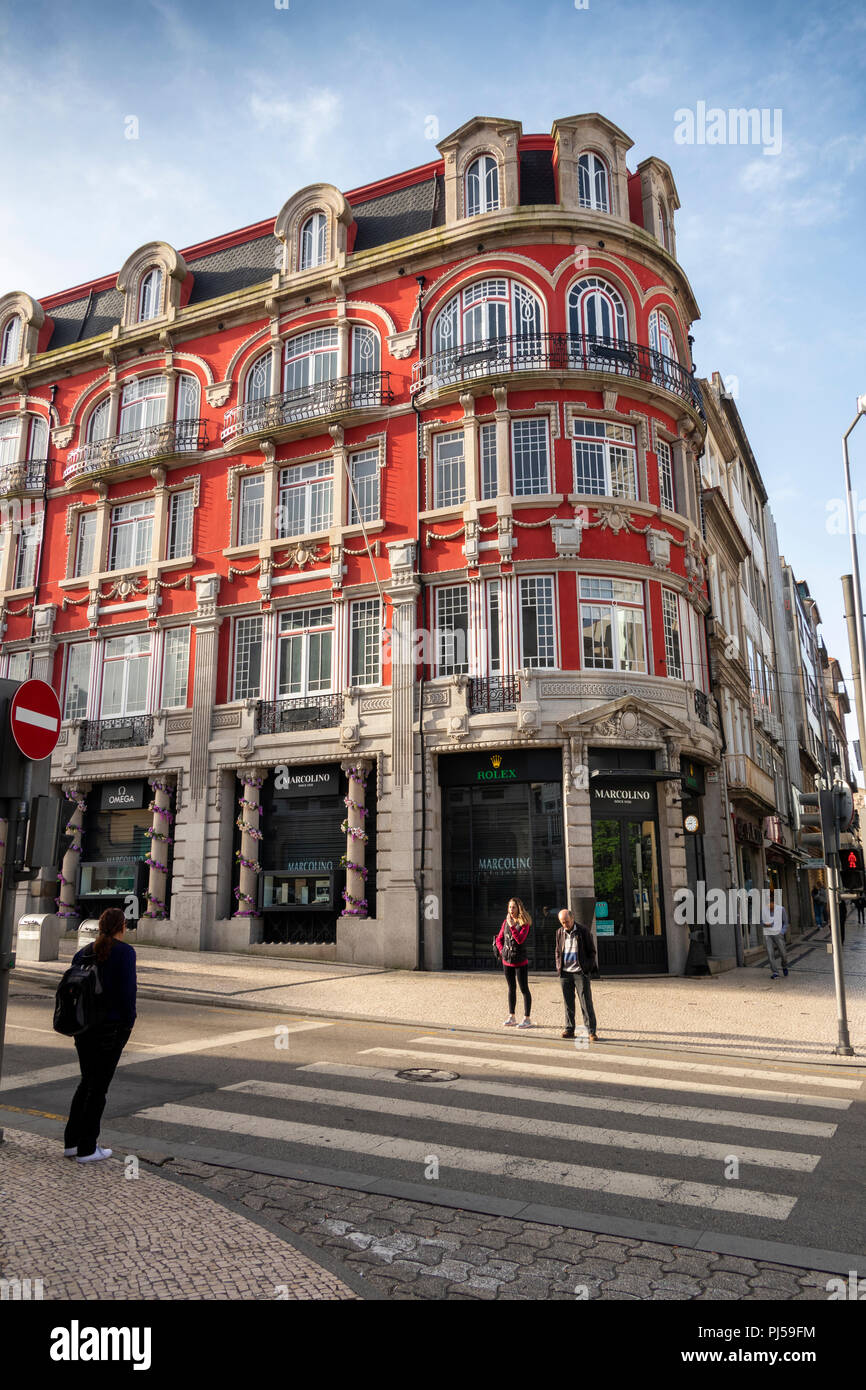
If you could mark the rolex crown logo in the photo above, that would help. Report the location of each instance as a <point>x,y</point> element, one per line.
<point>496,759</point>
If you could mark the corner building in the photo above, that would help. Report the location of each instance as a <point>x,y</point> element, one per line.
<point>364,550</point>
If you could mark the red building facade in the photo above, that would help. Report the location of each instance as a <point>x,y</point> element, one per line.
<point>363,548</point>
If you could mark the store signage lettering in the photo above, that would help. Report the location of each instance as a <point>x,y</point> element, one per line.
<point>301,781</point>
<point>122,796</point>
<point>496,772</point>
<point>621,794</point>
<point>309,866</point>
<point>494,865</point>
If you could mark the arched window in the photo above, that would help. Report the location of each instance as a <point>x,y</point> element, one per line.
<point>258,383</point>
<point>663,349</point>
<point>142,404</point>
<point>10,344</point>
<point>482,186</point>
<point>150,295</point>
<point>310,359</point>
<point>97,425</point>
<point>187,412</point>
<point>596,312</point>
<point>490,323</point>
<point>365,366</point>
<point>37,443</point>
<point>10,433</point>
<point>314,241</point>
<point>593,184</point>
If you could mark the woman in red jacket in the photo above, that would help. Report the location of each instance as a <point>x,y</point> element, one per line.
<point>510,946</point>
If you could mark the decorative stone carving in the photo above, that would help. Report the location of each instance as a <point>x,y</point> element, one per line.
<point>567,534</point>
<point>658,544</point>
<point>613,519</point>
<point>402,345</point>
<point>470,547</point>
<point>206,591</point>
<point>458,727</point>
<point>349,735</point>
<point>338,569</point>
<point>61,436</point>
<point>264,580</point>
<point>43,621</point>
<point>528,720</point>
<point>155,753</point>
<point>93,609</point>
<point>505,538</point>
<point>218,394</point>
<point>244,746</point>
<point>401,556</point>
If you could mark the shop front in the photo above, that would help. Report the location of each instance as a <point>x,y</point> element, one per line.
<point>629,921</point>
<point>502,837</point>
<point>115,846</point>
<point>302,853</point>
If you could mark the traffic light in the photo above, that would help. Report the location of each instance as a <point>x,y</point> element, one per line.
<point>852,870</point>
<point>815,819</point>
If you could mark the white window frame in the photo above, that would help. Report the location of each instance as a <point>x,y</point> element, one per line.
<point>365,486</point>
<point>85,561</point>
<point>481,186</point>
<point>607,605</point>
<point>532,430</point>
<point>667,490</point>
<point>591,301</point>
<point>593,181</point>
<point>150,295</point>
<point>27,555</point>
<point>142,404</point>
<point>306,627</point>
<point>139,525</point>
<point>672,635</point>
<point>547,637</point>
<point>365,617</point>
<point>488,456</point>
<point>244,642</point>
<point>181,511</point>
<point>450,471</point>
<point>175,668</point>
<point>614,447</point>
<point>10,440</point>
<point>16,665</point>
<point>313,483</point>
<point>451,601</point>
<point>312,356</point>
<point>124,653</point>
<point>251,509</point>
<point>313,241</point>
<point>77,653</point>
<point>10,345</point>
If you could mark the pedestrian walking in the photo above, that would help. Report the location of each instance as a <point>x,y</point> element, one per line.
<point>860,905</point>
<point>575,957</point>
<point>775,923</point>
<point>817,907</point>
<point>824,906</point>
<point>843,914</point>
<point>509,945</point>
<point>99,1047</point>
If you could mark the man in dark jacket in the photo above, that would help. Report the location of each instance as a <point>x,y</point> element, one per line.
<point>575,959</point>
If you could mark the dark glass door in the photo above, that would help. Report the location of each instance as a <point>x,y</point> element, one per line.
<point>498,843</point>
<point>629,921</point>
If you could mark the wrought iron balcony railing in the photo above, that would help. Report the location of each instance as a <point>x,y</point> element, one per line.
<point>363,390</point>
<point>28,475</point>
<point>138,446</point>
<point>702,707</point>
<point>306,712</point>
<point>127,731</point>
<point>493,694</point>
<point>555,352</point>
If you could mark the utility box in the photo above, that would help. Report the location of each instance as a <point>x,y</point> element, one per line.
<point>88,930</point>
<point>39,936</point>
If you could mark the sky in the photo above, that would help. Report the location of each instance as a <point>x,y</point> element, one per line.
<point>235,106</point>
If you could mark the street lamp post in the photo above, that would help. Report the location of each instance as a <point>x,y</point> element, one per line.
<point>860,674</point>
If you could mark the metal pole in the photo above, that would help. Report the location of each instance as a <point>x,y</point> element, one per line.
<point>843,1046</point>
<point>855,561</point>
<point>854,649</point>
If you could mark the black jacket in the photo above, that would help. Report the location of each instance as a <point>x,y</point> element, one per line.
<point>586,954</point>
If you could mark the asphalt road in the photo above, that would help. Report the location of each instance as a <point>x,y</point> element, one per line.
<point>654,1142</point>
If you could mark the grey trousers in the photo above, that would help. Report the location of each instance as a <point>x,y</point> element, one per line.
<point>773,944</point>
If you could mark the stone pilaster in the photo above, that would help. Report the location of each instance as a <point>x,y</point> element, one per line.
<point>357,770</point>
<point>159,843</point>
<point>248,854</point>
<point>69,869</point>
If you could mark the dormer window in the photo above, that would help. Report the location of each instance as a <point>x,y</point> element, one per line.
<point>593,182</point>
<point>664,225</point>
<point>150,295</point>
<point>314,241</point>
<point>482,186</point>
<point>10,344</point>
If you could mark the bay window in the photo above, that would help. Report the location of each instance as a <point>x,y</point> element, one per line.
<point>605,460</point>
<point>452,630</point>
<point>306,651</point>
<point>125,674</point>
<point>537,622</point>
<point>306,498</point>
<point>131,534</point>
<point>612,624</point>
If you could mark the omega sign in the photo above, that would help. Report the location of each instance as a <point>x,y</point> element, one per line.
<point>122,796</point>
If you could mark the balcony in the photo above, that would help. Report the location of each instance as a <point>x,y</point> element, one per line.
<point>293,716</point>
<point>702,708</point>
<point>129,731</point>
<point>138,446</point>
<point>493,694</point>
<point>746,779</point>
<point>555,352</point>
<point>28,475</point>
<point>363,391</point>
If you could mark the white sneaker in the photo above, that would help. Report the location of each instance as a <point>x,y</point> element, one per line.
<point>527,1023</point>
<point>510,1022</point>
<point>96,1155</point>
<point>71,1153</point>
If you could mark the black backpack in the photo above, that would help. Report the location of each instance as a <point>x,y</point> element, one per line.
<point>80,1001</point>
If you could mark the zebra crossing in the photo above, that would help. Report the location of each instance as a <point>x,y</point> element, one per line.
<point>662,1145</point>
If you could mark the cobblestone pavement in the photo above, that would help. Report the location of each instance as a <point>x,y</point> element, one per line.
<point>88,1231</point>
<point>416,1250</point>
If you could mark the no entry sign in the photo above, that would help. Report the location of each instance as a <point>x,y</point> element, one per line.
<point>35,719</point>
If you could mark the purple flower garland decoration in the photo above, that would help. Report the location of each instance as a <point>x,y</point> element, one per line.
<point>157,907</point>
<point>355,907</point>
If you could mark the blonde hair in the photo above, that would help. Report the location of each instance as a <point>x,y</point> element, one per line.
<point>523,916</point>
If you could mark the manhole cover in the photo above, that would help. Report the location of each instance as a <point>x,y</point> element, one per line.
<point>428,1074</point>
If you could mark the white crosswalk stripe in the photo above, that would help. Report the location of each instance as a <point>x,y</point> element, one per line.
<point>607,1076</point>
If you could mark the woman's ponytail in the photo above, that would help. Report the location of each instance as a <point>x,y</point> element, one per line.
<point>111,922</point>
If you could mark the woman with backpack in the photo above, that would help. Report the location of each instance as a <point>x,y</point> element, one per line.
<point>100,1044</point>
<point>509,946</point>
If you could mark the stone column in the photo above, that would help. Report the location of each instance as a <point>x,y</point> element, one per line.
<point>68,875</point>
<point>159,843</point>
<point>355,892</point>
<point>248,854</point>
<point>396,888</point>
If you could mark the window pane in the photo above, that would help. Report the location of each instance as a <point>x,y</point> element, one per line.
<point>84,551</point>
<point>489,465</point>
<point>597,629</point>
<point>673,655</point>
<point>589,467</point>
<point>450,471</point>
<point>632,652</point>
<point>364,472</point>
<point>531,465</point>
<point>252,510</point>
<point>365,645</point>
<point>452,630</point>
<point>175,680</point>
<point>537,622</point>
<point>248,658</point>
<point>666,475</point>
<point>180,525</point>
<point>77,680</point>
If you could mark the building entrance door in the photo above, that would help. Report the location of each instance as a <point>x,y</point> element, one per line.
<point>629,921</point>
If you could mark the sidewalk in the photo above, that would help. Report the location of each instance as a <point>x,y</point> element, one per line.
<point>87,1231</point>
<point>741,1011</point>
